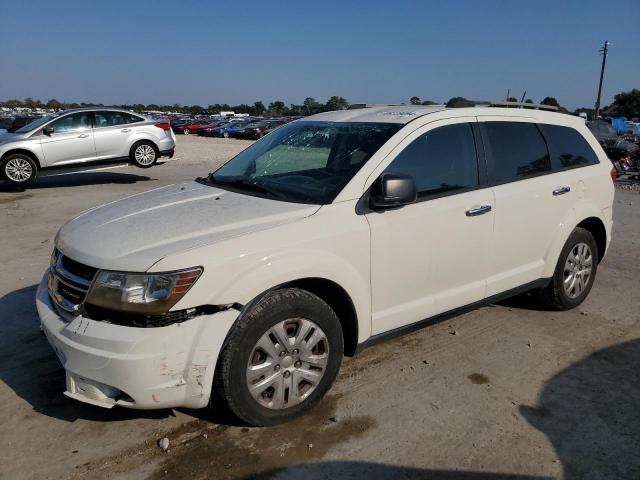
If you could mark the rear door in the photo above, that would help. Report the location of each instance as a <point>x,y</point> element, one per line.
<point>532,202</point>
<point>71,141</point>
<point>113,131</point>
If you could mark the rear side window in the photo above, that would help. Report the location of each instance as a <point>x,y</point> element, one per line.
<point>567,147</point>
<point>442,160</point>
<point>516,150</point>
<point>111,119</point>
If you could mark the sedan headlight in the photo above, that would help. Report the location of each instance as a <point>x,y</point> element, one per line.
<point>145,293</point>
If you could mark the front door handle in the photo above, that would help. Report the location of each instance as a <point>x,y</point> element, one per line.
<point>125,130</point>
<point>84,135</point>
<point>561,190</point>
<point>475,211</point>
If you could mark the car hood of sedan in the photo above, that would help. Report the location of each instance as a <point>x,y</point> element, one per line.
<point>11,137</point>
<point>134,233</point>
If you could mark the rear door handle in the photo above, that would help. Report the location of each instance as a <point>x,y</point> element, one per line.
<point>561,190</point>
<point>475,211</point>
<point>84,135</point>
<point>125,130</point>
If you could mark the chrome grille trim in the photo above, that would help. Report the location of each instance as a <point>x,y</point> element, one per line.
<point>61,280</point>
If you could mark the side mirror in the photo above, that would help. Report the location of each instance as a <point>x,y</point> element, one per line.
<point>47,130</point>
<point>391,190</point>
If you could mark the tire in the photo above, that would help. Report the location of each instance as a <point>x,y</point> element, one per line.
<point>304,319</point>
<point>143,154</point>
<point>225,134</point>
<point>555,294</point>
<point>18,169</point>
<point>186,131</point>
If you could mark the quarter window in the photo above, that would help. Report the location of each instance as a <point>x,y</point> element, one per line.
<point>516,150</point>
<point>567,147</point>
<point>442,160</point>
<point>75,121</point>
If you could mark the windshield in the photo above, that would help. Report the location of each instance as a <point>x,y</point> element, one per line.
<point>307,162</point>
<point>37,123</point>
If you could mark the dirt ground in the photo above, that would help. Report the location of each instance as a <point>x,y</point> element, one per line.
<point>506,391</point>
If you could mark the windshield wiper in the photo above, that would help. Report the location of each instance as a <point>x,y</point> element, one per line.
<point>243,184</point>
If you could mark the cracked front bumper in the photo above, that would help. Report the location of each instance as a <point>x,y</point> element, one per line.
<point>142,368</point>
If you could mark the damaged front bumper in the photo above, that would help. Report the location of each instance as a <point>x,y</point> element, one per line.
<point>142,368</point>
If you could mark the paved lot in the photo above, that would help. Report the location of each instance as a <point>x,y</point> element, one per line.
<point>507,391</point>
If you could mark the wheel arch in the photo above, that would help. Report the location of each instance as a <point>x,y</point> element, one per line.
<point>599,232</point>
<point>23,151</point>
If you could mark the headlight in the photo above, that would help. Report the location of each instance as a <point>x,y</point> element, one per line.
<point>152,293</point>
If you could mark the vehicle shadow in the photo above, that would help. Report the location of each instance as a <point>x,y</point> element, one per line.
<point>29,367</point>
<point>378,471</point>
<point>590,412</point>
<point>79,179</point>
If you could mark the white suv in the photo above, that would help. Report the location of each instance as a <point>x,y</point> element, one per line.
<point>327,235</point>
<point>82,138</point>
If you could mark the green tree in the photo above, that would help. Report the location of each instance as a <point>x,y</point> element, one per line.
<point>627,103</point>
<point>429,102</point>
<point>528,100</point>
<point>512,99</point>
<point>53,104</point>
<point>415,101</point>
<point>551,101</point>
<point>311,106</point>
<point>337,103</point>
<point>258,108</point>
<point>276,108</point>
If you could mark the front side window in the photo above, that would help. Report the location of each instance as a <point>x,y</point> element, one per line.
<point>308,162</point>
<point>73,122</point>
<point>516,150</point>
<point>35,123</point>
<point>442,160</point>
<point>568,148</point>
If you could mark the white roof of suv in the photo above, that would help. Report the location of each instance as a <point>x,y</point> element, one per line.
<point>403,114</point>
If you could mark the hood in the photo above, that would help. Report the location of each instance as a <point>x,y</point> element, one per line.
<point>134,233</point>
<point>11,137</point>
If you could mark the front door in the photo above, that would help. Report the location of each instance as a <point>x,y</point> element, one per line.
<point>70,142</point>
<point>429,257</point>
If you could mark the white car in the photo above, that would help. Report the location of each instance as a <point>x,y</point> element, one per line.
<point>82,139</point>
<point>327,235</point>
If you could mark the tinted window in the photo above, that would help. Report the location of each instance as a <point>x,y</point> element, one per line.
<point>75,121</point>
<point>111,119</point>
<point>516,150</point>
<point>567,147</point>
<point>441,160</point>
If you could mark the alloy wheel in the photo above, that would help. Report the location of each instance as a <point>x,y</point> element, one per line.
<point>577,270</point>
<point>18,170</point>
<point>145,154</point>
<point>287,363</point>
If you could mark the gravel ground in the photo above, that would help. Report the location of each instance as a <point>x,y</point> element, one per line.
<point>506,391</point>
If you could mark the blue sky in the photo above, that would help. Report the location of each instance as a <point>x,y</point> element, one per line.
<point>203,52</point>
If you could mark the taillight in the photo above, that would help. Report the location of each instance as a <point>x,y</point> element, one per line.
<point>614,175</point>
<point>163,125</point>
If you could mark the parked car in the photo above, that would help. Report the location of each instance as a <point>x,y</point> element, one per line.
<point>82,138</point>
<point>230,129</point>
<point>249,285</point>
<point>253,131</point>
<point>615,146</point>
<point>190,127</point>
<point>11,124</point>
<point>207,130</point>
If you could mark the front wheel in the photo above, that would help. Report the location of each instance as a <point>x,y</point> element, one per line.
<point>280,358</point>
<point>225,134</point>
<point>19,170</point>
<point>186,131</point>
<point>143,154</point>
<point>575,272</point>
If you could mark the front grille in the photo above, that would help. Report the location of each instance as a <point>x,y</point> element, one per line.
<point>69,282</point>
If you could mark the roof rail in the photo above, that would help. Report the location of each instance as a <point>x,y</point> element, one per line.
<point>357,106</point>
<point>536,106</point>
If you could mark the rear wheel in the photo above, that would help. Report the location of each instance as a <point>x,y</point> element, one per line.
<point>186,131</point>
<point>575,272</point>
<point>280,358</point>
<point>143,154</point>
<point>19,169</point>
<point>225,134</point>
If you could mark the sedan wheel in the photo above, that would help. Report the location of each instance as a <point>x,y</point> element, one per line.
<point>186,131</point>
<point>18,170</point>
<point>225,134</point>
<point>143,155</point>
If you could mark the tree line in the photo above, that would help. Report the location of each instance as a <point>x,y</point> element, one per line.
<point>625,103</point>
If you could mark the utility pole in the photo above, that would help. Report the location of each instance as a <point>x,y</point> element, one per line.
<point>604,51</point>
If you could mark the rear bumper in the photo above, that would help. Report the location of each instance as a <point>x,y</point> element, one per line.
<point>167,153</point>
<point>143,368</point>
